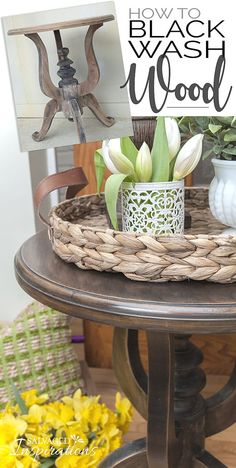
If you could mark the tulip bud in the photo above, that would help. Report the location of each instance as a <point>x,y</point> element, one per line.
<point>188,157</point>
<point>115,144</point>
<point>144,164</point>
<point>121,162</point>
<point>173,136</point>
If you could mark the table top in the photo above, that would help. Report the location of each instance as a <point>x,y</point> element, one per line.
<point>179,307</point>
<point>61,25</point>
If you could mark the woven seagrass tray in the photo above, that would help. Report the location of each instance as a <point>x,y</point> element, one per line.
<point>80,234</point>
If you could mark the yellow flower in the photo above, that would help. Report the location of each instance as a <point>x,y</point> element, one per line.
<point>116,442</point>
<point>7,457</point>
<point>36,421</point>
<point>95,456</point>
<point>30,398</point>
<point>10,428</point>
<point>13,459</point>
<point>9,410</point>
<point>90,416</point>
<point>79,431</point>
<point>108,417</point>
<point>87,411</point>
<point>91,459</point>
<point>124,412</point>
<point>40,446</point>
<point>29,462</point>
<point>57,414</point>
<point>105,436</point>
<point>36,415</point>
<point>76,439</point>
<point>71,461</point>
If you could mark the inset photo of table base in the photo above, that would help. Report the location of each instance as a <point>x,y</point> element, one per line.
<point>67,79</point>
<point>70,97</point>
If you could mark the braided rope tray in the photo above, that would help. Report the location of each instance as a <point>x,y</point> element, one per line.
<point>80,234</point>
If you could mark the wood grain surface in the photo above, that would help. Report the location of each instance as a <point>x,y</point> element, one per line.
<point>61,25</point>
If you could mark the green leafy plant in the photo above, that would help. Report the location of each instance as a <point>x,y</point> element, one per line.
<point>220,133</point>
<point>164,163</point>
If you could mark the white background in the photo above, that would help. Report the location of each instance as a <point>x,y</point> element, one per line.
<point>184,70</point>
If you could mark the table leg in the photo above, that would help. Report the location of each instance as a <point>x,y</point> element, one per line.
<point>85,88</point>
<point>169,397</point>
<point>161,438</point>
<point>93,68</point>
<point>221,408</point>
<point>46,84</point>
<point>91,102</point>
<point>207,460</point>
<point>76,113</point>
<point>52,107</point>
<point>47,87</point>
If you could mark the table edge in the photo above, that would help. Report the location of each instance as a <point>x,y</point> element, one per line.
<point>78,305</point>
<point>61,25</point>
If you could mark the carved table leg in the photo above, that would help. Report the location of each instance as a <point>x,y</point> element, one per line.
<point>206,460</point>
<point>134,388</point>
<point>47,87</point>
<point>52,107</point>
<point>75,111</point>
<point>161,438</point>
<point>169,397</point>
<point>85,88</point>
<point>91,102</point>
<point>221,408</point>
<point>46,84</point>
<point>93,68</point>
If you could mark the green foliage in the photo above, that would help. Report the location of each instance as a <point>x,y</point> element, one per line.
<point>48,463</point>
<point>220,133</point>
<point>129,149</point>
<point>112,188</point>
<point>19,400</point>
<point>160,153</point>
<point>99,168</point>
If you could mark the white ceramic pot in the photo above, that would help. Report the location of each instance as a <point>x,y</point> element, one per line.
<point>154,207</point>
<point>222,193</point>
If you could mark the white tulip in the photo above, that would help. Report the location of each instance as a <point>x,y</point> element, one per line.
<point>122,164</point>
<point>106,146</point>
<point>188,157</point>
<point>144,164</point>
<point>173,136</point>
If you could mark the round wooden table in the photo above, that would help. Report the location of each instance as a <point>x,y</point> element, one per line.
<point>179,418</point>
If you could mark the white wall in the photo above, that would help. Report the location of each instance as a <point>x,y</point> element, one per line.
<point>17,220</point>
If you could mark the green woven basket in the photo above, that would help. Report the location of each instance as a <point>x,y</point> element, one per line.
<point>36,352</point>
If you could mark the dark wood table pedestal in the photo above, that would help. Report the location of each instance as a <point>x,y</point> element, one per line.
<point>70,96</point>
<point>179,419</point>
<point>169,396</point>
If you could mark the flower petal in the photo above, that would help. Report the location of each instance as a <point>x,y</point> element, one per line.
<point>105,152</point>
